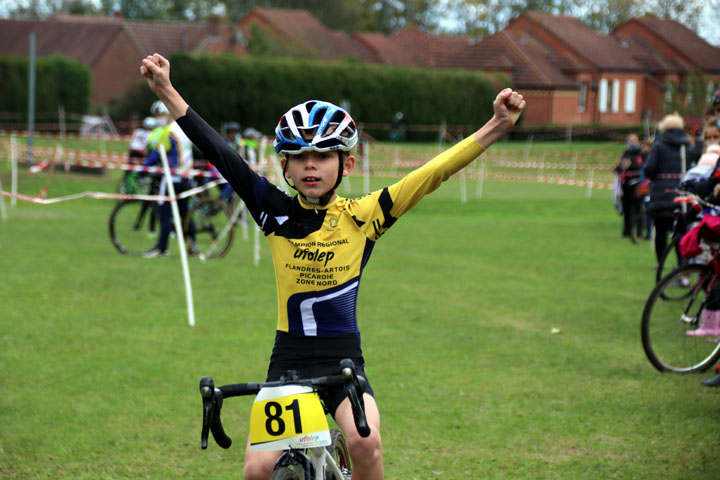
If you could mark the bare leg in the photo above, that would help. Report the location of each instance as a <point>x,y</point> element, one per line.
<point>366,453</point>
<point>259,465</point>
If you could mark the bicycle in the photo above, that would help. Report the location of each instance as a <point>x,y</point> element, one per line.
<point>671,258</point>
<point>674,307</point>
<point>288,415</point>
<point>134,225</point>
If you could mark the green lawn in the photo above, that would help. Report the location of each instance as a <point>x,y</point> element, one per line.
<point>457,308</point>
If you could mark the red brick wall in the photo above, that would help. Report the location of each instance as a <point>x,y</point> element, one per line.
<point>565,107</point>
<point>539,106</point>
<point>117,69</point>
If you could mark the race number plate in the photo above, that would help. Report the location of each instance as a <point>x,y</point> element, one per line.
<point>290,416</point>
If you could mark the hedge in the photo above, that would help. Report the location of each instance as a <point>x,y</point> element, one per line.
<point>256,91</point>
<point>58,81</point>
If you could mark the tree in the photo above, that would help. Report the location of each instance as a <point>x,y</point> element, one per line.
<point>605,15</point>
<point>482,17</point>
<point>691,98</point>
<point>351,15</point>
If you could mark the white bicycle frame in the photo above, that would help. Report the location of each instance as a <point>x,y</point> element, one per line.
<point>323,462</point>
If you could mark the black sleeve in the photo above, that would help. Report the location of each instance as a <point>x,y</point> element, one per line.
<point>705,188</point>
<point>263,199</point>
<point>228,162</point>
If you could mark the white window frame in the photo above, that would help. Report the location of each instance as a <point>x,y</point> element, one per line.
<point>602,95</point>
<point>582,100</point>
<point>630,95</point>
<point>615,98</point>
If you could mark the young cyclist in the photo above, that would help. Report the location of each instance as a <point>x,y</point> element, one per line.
<point>321,242</point>
<point>179,155</point>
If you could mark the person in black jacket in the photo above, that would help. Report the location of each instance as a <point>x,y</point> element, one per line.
<point>629,171</point>
<point>664,168</point>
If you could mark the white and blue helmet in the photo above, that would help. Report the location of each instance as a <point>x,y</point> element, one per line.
<point>327,126</point>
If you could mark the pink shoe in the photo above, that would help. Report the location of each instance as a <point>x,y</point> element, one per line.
<point>710,326</point>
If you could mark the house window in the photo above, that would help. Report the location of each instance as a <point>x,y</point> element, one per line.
<point>630,89</point>
<point>615,97</point>
<point>603,96</point>
<point>710,90</point>
<point>668,92</point>
<point>582,101</point>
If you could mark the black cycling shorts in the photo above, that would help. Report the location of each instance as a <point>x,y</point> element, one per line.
<point>317,357</point>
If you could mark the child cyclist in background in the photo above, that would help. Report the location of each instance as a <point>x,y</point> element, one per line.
<point>321,242</point>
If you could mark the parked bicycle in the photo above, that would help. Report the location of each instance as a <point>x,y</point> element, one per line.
<point>671,258</point>
<point>134,225</point>
<point>288,415</point>
<point>677,306</point>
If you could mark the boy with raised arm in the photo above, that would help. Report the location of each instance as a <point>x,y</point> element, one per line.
<point>321,242</point>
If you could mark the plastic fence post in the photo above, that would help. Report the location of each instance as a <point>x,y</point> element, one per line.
<point>13,168</point>
<point>179,235</point>
<point>366,167</point>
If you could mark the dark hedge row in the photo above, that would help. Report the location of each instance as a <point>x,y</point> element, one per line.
<point>58,81</point>
<point>255,91</point>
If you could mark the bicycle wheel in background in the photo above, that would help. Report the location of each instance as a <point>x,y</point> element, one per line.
<point>339,451</point>
<point>669,259</point>
<point>134,226</point>
<point>209,219</point>
<point>673,308</point>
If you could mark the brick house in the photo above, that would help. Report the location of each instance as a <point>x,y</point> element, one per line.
<point>670,53</point>
<point>112,47</point>
<point>571,74</point>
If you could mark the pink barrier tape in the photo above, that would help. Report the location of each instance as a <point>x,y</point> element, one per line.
<point>127,167</point>
<point>26,133</point>
<point>516,178</point>
<point>553,166</point>
<point>111,196</point>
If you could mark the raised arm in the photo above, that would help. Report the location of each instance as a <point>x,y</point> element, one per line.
<point>156,70</point>
<point>508,106</point>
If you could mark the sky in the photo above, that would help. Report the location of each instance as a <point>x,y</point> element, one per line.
<point>708,27</point>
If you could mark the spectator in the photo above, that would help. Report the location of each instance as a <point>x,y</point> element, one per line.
<point>663,168</point>
<point>233,137</point>
<point>399,128</point>
<point>629,173</point>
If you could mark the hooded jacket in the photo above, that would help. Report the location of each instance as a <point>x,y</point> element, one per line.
<point>664,168</point>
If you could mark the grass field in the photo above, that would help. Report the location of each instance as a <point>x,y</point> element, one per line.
<point>457,309</point>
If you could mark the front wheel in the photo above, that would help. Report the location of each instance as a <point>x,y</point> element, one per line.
<point>134,226</point>
<point>675,307</point>
<point>339,452</point>
<point>292,472</point>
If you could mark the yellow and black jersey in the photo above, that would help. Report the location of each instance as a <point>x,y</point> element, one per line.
<point>319,253</point>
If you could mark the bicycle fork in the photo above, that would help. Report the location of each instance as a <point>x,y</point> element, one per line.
<point>324,464</point>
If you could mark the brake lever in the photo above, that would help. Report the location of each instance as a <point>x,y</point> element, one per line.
<point>207,388</point>
<point>355,386</point>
